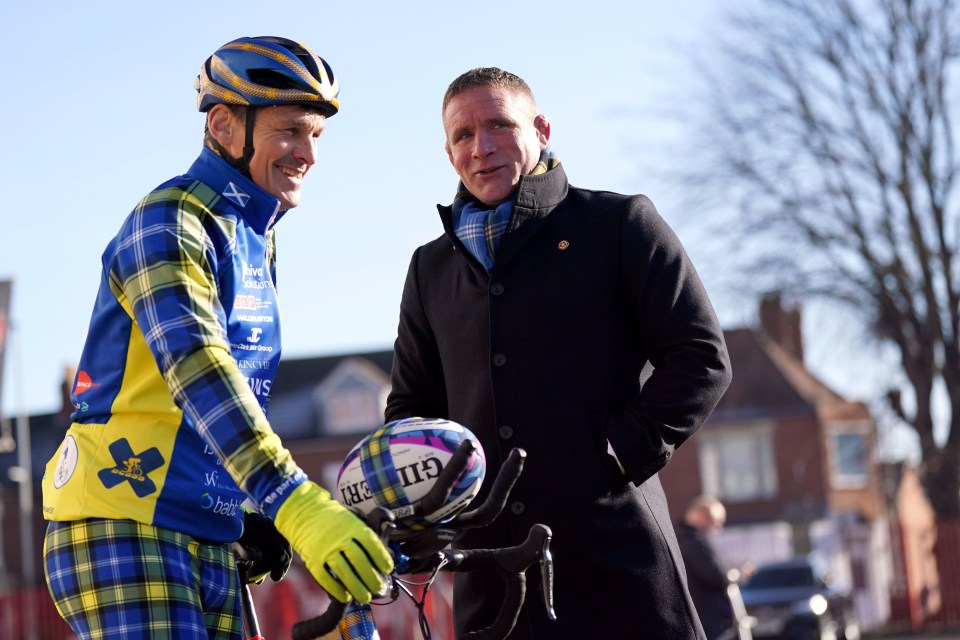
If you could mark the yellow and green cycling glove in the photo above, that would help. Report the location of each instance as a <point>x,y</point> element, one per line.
<point>344,555</point>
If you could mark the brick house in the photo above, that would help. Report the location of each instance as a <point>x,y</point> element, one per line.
<point>793,462</point>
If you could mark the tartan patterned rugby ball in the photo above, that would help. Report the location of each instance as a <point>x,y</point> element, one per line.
<point>398,463</point>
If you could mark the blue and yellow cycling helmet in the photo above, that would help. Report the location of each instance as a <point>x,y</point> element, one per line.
<point>265,71</point>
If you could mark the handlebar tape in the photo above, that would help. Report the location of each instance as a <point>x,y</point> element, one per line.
<point>321,624</point>
<point>511,563</point>
<point>499,493</point>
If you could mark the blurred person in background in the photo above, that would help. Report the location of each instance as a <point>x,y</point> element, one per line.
<point>707,576</point>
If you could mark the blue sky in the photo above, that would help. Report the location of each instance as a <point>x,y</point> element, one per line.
<point>103,110</point>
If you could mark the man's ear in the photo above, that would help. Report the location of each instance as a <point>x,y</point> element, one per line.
<point>446,147</point>
<point>224,126</point>
<point>542,124</point>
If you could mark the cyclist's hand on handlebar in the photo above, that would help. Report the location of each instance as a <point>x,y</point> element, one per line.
<point>344,555</point>
<point>270,550</point>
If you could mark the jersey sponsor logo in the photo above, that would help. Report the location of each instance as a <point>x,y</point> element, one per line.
<point>233,194</point>
<point>66,463</point>
<point>207,451</point>
<point>254,336</point>
<point>132,467</point>
<point>218,505</point>
<point>242,301</point>
<point>245,317</point>
<point>84,383</point>
<point>285,486</point>
<point>252,347</point>
<point>261,365</point>
<point>217,480</point>
<point>250,271</point>
<point>252,283</point>
<point>260,386</point>
<point>253,277</point>
<point>248,302</point>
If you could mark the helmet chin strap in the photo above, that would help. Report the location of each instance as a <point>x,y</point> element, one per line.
<point>241,164</point>
<point>244,165</point>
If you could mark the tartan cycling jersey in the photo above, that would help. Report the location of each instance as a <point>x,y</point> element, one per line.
<point>173,384</point>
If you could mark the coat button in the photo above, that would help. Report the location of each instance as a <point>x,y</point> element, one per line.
<point>496,288</point>
<point>499,359</point>
<point>505,432</point>
<point>517,507</point>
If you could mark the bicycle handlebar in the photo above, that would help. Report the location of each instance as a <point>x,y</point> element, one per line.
<point>511,563</point>
<point>320,625</point>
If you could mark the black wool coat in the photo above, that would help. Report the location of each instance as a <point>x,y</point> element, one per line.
<point>545,353</point>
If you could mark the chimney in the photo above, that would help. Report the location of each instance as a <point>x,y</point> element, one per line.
<point>782,325</point>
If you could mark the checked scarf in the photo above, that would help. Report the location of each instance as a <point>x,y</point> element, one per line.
<point>479,228</point>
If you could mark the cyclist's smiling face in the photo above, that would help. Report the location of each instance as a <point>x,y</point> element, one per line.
<point>494,136</point>
<point>284,148</point>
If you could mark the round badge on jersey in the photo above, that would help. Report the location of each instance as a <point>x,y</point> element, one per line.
<point>67,462</point>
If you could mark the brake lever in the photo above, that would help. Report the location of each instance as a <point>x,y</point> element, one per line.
<point>546,576</point>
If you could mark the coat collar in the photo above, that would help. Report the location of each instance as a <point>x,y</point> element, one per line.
<point>536,194</point>
<point>258,208</point>
<point>543,191</point>
<point>535,198</point>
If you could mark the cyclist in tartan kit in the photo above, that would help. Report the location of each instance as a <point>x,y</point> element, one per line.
<point>170,434</point>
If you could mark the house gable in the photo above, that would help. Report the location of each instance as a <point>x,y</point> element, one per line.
<point>298,405</point>
<point>352,398</point>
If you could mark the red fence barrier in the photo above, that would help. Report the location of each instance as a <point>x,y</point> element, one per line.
<point>29,614</point>
<point>946,549</point>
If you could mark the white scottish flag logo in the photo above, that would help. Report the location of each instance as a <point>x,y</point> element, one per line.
<point>234,194</point>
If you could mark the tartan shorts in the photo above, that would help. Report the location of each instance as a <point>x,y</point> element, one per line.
<point>124,579</point>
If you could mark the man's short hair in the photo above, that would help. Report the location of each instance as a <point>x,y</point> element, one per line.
<point>487,77</point>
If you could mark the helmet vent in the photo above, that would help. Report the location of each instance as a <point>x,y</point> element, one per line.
<point>270,78</point>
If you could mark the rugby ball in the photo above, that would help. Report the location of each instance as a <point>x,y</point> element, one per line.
<point>399,463</point>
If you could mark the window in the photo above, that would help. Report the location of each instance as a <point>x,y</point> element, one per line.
<point>352,397</point>
<point>849,455</point>
<point>737,463</point>
<point>352,410</point>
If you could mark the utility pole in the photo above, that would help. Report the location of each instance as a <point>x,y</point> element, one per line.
<point>22,474</point>
<point>7,442</point>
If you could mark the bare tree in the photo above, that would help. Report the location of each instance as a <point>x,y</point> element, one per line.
<point>831,123</point>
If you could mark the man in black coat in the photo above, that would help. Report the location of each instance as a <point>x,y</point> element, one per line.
<point>529,321</point>
<point>706,574</point>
